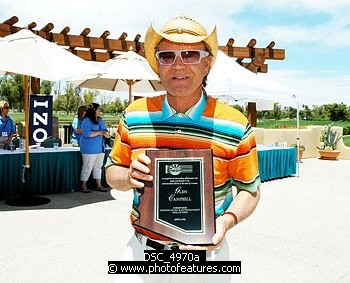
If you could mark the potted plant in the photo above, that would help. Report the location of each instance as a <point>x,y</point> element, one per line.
<point>301,150</point>
<point>328,143</point>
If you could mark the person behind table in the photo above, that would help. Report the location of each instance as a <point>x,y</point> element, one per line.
<point>7,126</point>
<point>76,125</point>
<point>186,117</point>
<point>92,147</point>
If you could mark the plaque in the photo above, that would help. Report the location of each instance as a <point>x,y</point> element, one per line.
<point>179,203</point>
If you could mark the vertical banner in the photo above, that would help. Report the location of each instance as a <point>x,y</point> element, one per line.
<point>40,118</point>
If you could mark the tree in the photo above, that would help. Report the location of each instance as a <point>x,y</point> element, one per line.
<point>46,87</point>
<point>319,112</point>
<point>12,90</point>
<point>306,113</point>
<point>119,106</point>
<point>277,112</point>
<point>106,103</point>
<point>337,112</point>
<point>69,101</point>
<point>90,96</point>
<point>290,112</point>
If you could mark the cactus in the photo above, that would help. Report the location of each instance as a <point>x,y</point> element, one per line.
<point>329,138</point>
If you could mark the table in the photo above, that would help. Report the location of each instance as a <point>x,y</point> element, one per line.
<point>51,171</point>
<point>57,171</point>
<point>276,162</point>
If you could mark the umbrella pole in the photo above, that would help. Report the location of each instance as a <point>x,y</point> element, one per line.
<point>130,95</point>
<point>26,119</point>
<point>26,166</point>
<point>25,198</point>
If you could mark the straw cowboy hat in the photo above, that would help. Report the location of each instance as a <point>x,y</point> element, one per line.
<point>180,29</point>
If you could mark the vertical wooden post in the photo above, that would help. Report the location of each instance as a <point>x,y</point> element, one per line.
<point>34,85</point>
<point>252,114</point>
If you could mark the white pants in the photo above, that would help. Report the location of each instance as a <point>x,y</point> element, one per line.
<point>134,252</point>
<point>92,162</point>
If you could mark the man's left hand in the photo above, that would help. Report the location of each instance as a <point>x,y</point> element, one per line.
<point>221,229</point>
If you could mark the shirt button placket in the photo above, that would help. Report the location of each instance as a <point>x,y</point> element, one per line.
<point>176,128</point>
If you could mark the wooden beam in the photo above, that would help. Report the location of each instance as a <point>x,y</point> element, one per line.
<point>105,34</point>
<point>90,44</point>
<point>245,52</point>
<point>256,62</point>
<point>85,32</point>
<point>262,69</point>
<point>49,27</point>
<point>66,30</point>
<point>31,26</point>
<point>11,21</point>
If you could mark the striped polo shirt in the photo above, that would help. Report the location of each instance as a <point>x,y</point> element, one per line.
<point>150,123</point>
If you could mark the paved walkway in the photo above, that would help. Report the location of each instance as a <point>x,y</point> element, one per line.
<point>299,233</point>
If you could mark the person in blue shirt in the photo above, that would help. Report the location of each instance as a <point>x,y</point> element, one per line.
<point>92,146</point>
<point>7,126</point>
<point>76,126</point>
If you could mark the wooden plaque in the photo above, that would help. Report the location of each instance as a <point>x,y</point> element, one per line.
<point>179,202</point>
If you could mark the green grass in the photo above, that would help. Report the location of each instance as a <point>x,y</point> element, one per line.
<point>110,120</point>
<point>292,123</point>
<point>346,140</point>
<point>64,119</point>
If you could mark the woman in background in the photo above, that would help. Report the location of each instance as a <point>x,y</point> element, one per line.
<point>76,126</point>
<point>7,126</point>
<point>92,146</point>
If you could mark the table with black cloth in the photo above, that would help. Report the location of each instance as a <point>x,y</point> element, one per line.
<point>51,171</point>
<point>276,162</point>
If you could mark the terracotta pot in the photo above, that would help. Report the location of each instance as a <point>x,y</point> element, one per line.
<point>329,154</point>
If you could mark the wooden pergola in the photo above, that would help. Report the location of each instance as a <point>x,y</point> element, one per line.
<point>103,48</point>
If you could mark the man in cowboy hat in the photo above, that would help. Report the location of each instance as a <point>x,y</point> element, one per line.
<point>182,54</point>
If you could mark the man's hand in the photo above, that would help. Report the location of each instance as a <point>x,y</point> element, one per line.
<point>134,176</point>
<point>138,171</point>
<point>222,227</point>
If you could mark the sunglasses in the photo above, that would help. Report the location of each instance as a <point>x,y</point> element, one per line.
<point>168,57</point>
<point>6,107</point>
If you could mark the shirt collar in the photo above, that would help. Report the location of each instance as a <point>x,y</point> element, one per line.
<point>194,113</point>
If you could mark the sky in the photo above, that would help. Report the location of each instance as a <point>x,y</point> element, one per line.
<point>315,34</point>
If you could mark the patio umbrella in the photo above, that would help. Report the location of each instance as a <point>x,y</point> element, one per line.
<point>126,72</point>
<point>28,54</point>
<point>228,78</point>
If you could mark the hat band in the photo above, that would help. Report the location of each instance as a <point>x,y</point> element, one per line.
<point>181,30</point>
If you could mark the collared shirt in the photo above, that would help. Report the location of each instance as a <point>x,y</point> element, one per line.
<point>75,125</point>
<point>150,123</point>
<point>194,112</point>
<point>7,126</point>
<point>92,145</point>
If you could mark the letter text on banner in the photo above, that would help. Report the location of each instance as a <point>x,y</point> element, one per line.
<point>40,118</point>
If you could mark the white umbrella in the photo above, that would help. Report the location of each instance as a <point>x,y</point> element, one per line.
<point>126,72</point>
<point>228,78</point>
<point>28,54</point>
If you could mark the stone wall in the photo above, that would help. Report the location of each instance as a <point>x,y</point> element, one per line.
<point>309,137</point>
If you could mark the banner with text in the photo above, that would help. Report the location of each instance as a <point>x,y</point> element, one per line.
<point>40,118</point>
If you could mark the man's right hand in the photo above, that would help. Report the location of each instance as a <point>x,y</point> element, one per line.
<point>139,171</point>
